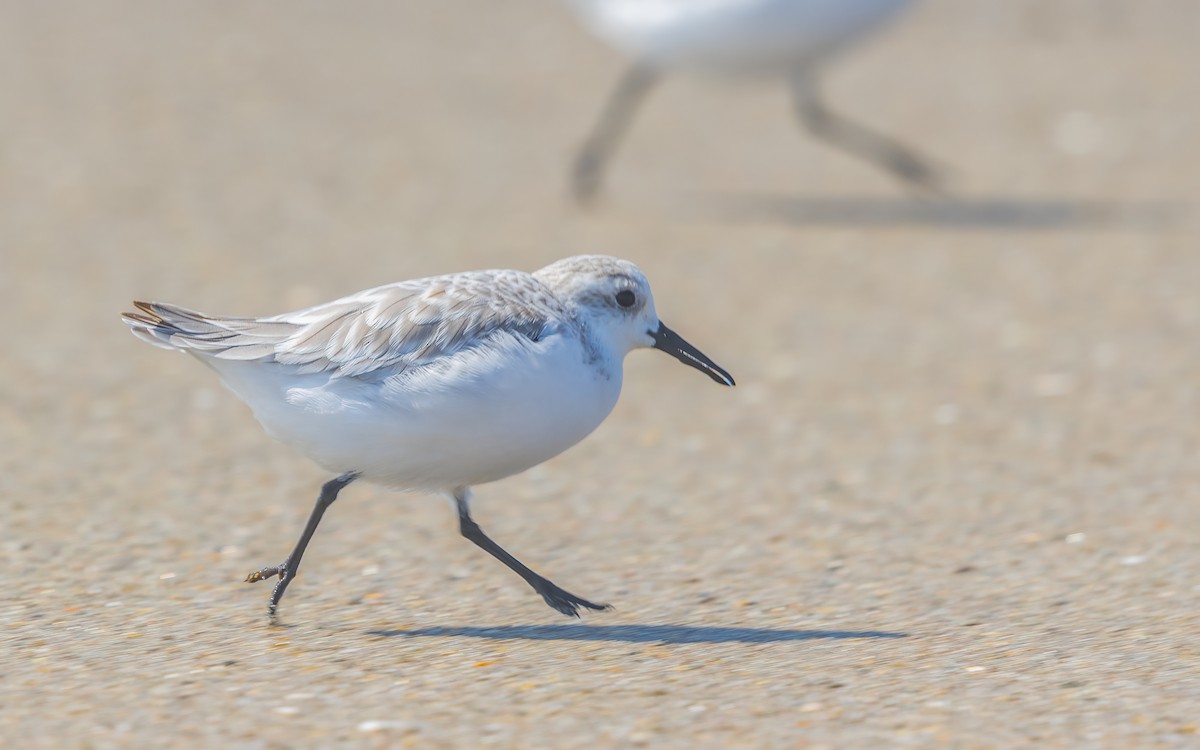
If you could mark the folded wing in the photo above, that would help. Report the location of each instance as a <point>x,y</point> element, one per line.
<point>378,331</point>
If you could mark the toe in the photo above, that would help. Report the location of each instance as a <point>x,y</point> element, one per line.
<point>265,573</point>
<point>567,603</point>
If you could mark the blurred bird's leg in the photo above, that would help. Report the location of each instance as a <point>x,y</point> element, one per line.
<point>588,173</point>
<point>896,158</point>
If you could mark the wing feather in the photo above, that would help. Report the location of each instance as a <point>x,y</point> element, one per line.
<point>379,331</point>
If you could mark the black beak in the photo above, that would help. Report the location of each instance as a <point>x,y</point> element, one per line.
<point>672,343</point>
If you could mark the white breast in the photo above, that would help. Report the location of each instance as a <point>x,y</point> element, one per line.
<point>477,416</point>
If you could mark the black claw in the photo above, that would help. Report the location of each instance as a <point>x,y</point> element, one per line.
<point>566,602</point>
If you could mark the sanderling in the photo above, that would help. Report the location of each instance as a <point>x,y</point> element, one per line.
<point>788,39</point>
<point>436,384</point>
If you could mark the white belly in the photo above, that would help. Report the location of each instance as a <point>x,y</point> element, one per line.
<point>480,416</point>
<point>734,36</point>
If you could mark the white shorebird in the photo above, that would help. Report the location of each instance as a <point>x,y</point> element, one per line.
<point>435,384</point>
<point>785,39</point>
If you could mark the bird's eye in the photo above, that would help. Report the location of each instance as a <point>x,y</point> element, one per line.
<point>625,298</point>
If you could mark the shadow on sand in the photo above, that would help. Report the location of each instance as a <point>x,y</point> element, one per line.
<point>947,212</point>
<point>674,634</point>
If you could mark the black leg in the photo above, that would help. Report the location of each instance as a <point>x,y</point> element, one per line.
<point>288,569</point>
<point>559,599</point>
<point>588,173</point>
<point>901,161</point>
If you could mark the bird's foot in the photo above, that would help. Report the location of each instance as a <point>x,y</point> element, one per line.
<point>270,571</point>
<point>917,171</point>
<point>564,601</point>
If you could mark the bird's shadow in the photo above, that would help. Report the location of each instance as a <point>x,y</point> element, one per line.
<point>672,634</point>
<point>946,212</point>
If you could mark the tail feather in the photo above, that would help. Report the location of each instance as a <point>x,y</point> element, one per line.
<point>172,327</point>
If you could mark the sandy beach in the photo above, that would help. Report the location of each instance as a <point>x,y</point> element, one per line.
<point>953,500</point>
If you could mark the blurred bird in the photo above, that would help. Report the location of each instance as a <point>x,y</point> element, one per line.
<point>788,39</point>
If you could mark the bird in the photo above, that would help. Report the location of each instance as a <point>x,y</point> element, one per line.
<point>788,40</point>
<point>435,385</point>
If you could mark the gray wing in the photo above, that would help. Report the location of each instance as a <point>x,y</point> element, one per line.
<point>383,330</point>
